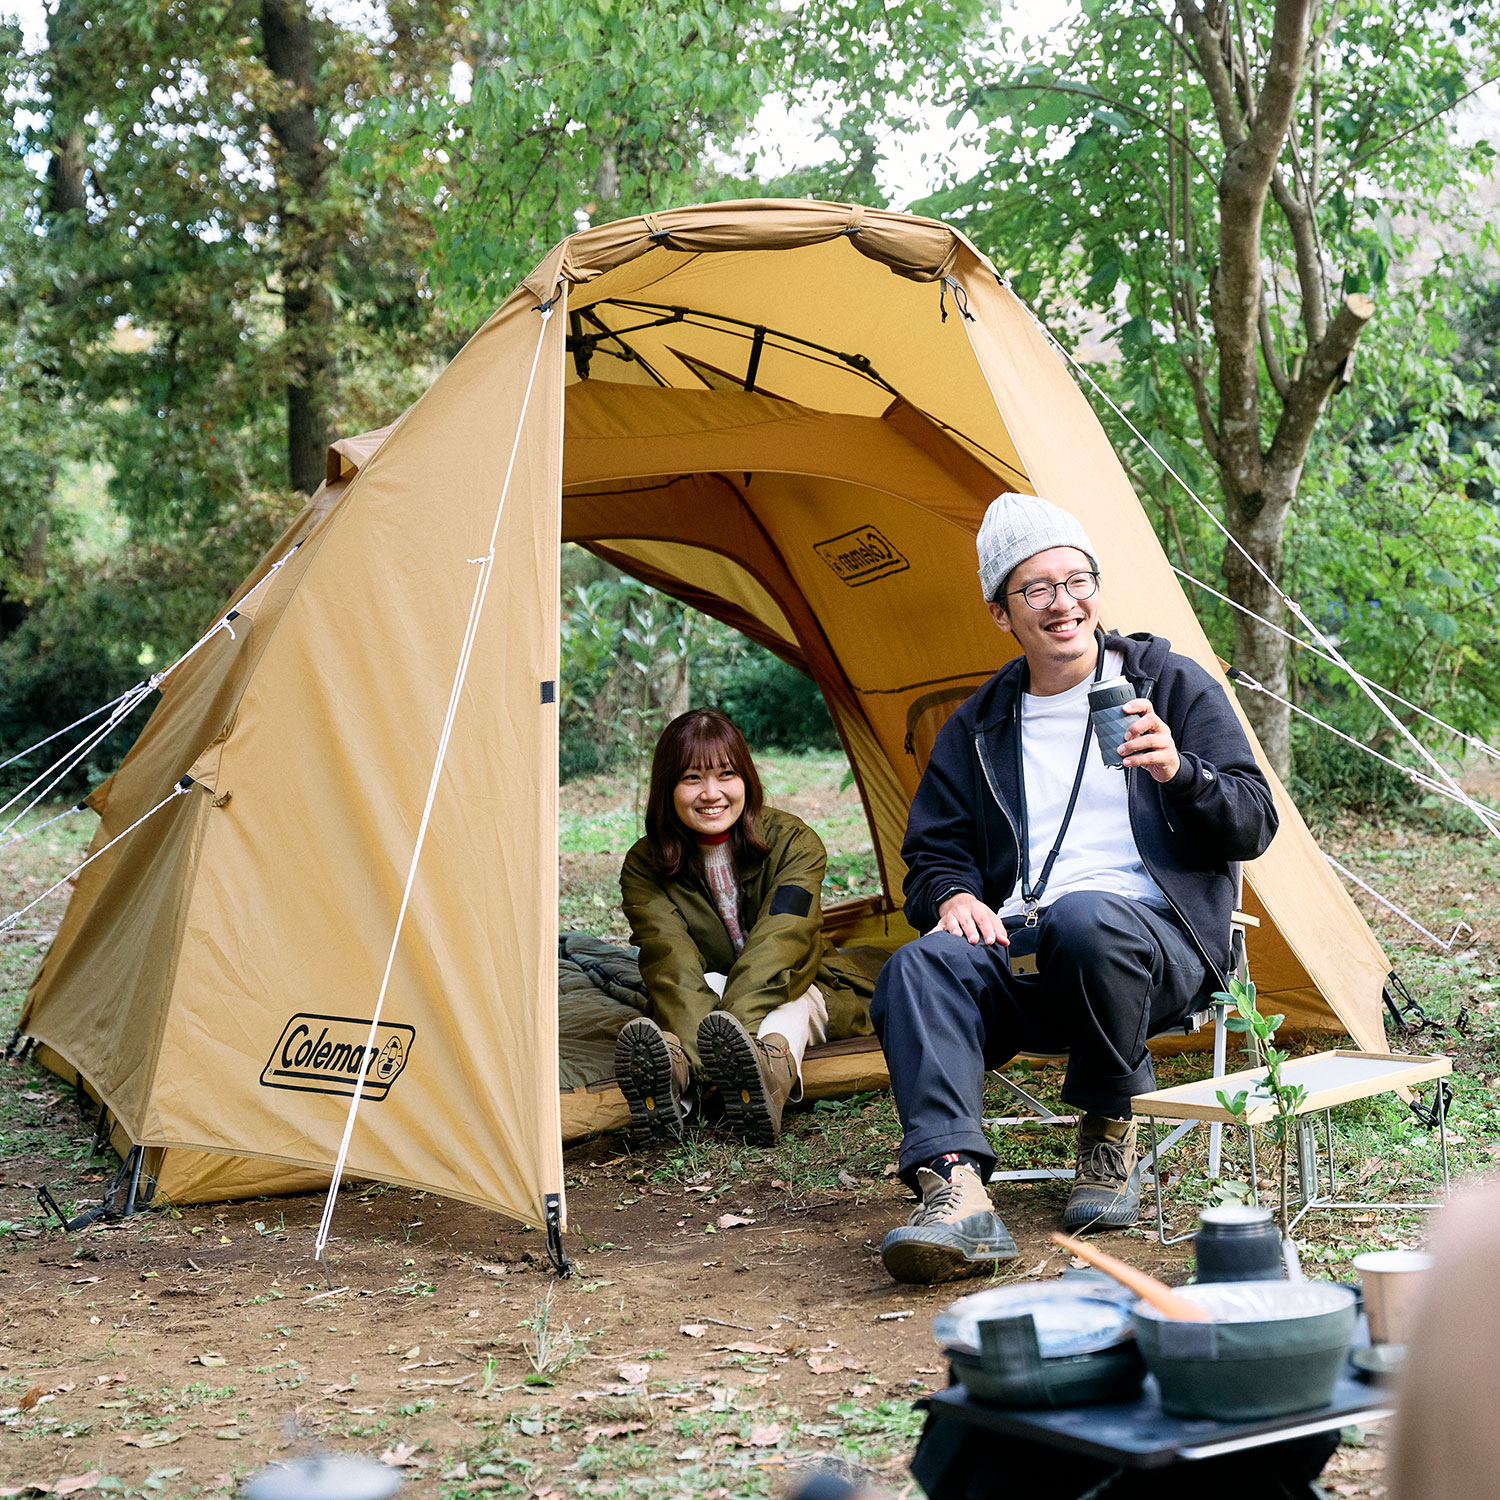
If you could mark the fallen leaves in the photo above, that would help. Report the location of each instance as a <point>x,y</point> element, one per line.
<point>612,1430</point>
<point>212,1358</point>
<point>34,1395</point>
<point>634,1374</point>
<point>693,1330</point>
<point>152,1439</point>
<point>67,1485</point>
<point>74,1484</point>
<point>403,1456</point>
<point>830,1364</point>
<point>732,1221</point>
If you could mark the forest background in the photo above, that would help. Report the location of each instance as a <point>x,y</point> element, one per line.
<point>233,230</point>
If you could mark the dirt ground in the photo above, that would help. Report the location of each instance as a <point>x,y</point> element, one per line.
<point>718,1336</point>
<point>729,1324</point>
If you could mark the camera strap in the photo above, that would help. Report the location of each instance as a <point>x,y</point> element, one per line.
<point>1031,895</point>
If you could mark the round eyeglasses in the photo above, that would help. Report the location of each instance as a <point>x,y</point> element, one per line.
<point>1079,586</point>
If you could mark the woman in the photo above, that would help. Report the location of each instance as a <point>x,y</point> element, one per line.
<point>722,900</point>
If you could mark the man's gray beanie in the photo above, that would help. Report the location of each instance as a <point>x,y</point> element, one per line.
<point>1016,527</point>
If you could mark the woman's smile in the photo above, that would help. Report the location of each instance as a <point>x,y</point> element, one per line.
<point>709,799</point>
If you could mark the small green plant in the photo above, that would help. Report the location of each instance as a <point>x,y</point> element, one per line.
<point>549,1348</point>
<point>1285,1097</point>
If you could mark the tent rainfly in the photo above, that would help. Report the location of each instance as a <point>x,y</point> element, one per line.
<point>790,415</point>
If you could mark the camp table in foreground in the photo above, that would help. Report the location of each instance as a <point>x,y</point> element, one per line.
<point>1131,1449</point>
<point>1329,1079</point>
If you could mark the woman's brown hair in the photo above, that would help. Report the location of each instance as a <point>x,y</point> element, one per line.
<point>706,738</point>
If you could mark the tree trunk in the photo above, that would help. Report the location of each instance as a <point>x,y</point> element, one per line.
<point>1258,650</point>
<point>64,206</point>
<point>307,248</point>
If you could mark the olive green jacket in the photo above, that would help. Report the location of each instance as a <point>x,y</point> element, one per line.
<point>681,936</point>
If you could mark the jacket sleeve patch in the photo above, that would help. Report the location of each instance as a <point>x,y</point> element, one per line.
<point>790,900</point>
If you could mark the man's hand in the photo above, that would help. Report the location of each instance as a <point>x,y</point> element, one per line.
<point>968,917</point>
<point>1149,743</point>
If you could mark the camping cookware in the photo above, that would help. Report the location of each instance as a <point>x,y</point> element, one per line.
<point>1062,1343</point>
<point>1237,1242</point>
<point>1389,1281</point>
<point>1270,1348</point>
<point>1168,1304</point>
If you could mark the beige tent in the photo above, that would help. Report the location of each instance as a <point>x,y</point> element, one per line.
<point>788,414</point>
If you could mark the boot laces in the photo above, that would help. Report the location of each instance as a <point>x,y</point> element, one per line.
<point>937,1203</point>
<point>1103,1162</point>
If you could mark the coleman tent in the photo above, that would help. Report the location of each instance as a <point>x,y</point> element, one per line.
<point>790,415</point>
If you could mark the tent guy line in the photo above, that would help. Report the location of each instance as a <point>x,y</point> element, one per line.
<point>1405,916</point>
<point>1334,654</point>
<point>486,565</point>
<point>17,838</point>
<point>182,788</point>
<point>123,707</point>
<point>74,757</point>
<point>57,734</point>
<point>1472,740</point>
<point>1487,816</point>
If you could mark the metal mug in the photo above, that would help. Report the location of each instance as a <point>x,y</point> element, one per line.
<point>1237,1242</point>
<point>1390,1282</point>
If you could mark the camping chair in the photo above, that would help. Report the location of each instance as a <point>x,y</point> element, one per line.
<point>1215,1012</point>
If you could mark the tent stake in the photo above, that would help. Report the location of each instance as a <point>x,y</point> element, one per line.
<point>555,1252</point>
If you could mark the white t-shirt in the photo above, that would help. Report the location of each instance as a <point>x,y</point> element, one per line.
<point>1099,852</point>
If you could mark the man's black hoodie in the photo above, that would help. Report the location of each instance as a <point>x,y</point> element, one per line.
<point>1216,811</point>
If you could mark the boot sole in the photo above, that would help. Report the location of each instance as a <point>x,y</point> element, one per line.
<point>1091,1207</point>
<point>643,1070</point>
<point>731,1060</point>
<point>928,1256</point>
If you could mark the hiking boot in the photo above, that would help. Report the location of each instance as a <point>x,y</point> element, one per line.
<point>1107,1185</point>
<point>755,1075</point>
<point>652,1071</point>
<point>953,1232</point>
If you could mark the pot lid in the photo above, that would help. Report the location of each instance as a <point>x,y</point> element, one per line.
<point>1069,1320</point>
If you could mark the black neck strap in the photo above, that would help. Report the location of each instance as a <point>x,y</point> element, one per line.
<point>1031,895</point>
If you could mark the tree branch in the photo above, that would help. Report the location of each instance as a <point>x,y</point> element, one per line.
<point>1309,393</point>
<point>1312,285</point>
<point>1120,104</point>
<point>1268,353</point>
<point>1209,61</point>
<point>1400,135</point>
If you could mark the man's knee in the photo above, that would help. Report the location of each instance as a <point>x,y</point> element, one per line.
<point>927,972</point>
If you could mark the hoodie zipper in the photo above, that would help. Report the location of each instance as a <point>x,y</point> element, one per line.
<point>989,781</point>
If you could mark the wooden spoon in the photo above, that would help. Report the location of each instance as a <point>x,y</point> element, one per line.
<point>1147,1288</point>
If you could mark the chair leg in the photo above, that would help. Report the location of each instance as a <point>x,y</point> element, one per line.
<point>1216,1128</point>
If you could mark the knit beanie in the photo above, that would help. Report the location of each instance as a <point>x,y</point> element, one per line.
<point>1016,527</point>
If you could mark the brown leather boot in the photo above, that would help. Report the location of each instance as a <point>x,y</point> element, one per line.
<point>1107,1185</point>
<point>652,1071</point>
<point>755,1075</point>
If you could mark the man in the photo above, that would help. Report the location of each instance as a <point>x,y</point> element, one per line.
<point>1067,905</point>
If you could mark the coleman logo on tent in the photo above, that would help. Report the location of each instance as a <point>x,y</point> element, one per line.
<point>323,1054</point>
<point>861,556</point>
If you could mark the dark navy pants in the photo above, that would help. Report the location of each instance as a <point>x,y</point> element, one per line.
<point>1111,972</point>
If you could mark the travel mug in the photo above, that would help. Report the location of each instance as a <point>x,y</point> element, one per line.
<point>1106,699</point>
